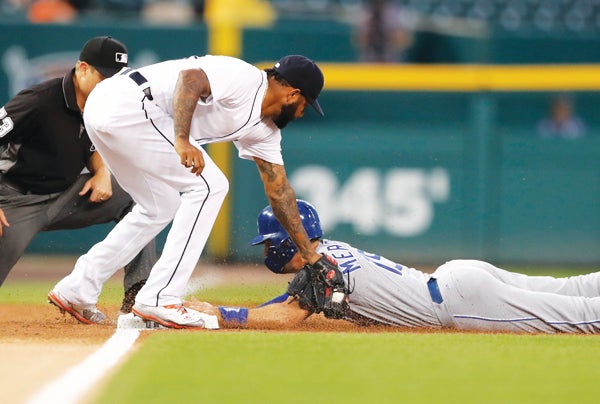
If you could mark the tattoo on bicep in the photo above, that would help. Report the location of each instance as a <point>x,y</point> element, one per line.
<point>190,87</point>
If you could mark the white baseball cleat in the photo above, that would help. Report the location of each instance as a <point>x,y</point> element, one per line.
<point>175,316</point>
<point>85,314</point>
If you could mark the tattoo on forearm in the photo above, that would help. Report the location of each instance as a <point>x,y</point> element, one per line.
<point>283,201</point>
<point>285,209</point>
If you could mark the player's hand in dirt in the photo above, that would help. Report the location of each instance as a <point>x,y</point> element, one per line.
<point>203,307</point>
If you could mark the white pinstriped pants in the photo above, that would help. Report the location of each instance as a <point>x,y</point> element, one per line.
<point>135,139</point>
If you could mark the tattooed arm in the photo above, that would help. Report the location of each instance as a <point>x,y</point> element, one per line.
<point>191,86</point>
<point>282,199</point>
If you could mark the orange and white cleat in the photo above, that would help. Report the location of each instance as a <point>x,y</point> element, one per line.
<point>175,316</point>
<point>84,314</point>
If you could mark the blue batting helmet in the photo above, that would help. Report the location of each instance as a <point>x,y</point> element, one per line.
<point>282,249</point>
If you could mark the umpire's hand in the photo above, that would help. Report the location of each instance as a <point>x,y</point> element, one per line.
<point>3,222</point>
<point>100,186</point>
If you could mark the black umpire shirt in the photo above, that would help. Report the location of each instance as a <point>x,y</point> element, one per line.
<point>43,143</point>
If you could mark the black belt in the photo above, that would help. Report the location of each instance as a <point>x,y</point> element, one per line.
<point>434,291</point>
<point>140,81</point>
<point>13,185</point>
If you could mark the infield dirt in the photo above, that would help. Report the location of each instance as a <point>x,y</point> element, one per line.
<point>38,344</point>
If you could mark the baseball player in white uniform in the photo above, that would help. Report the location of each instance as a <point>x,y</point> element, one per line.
<point>149,125</point>
<point>460,294</point>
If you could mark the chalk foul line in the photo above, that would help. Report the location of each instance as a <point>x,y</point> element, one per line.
<point>71,387</point>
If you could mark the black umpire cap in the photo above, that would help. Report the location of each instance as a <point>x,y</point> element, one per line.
<point>106,54</point>
<point>304,74</point>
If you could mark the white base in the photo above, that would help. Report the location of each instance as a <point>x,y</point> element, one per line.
<point>210,322</point>
<point>131,322</point>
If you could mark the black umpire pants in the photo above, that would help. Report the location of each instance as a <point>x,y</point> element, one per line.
<point>30,214</point>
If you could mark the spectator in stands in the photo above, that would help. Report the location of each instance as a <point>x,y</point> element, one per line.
<point>381,34</point>
<point>561,121</point>
<point>177,12</point>
<point>51,11</point>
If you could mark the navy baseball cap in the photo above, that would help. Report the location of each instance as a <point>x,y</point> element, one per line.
<point>106,54</point>
<point>304,74</point>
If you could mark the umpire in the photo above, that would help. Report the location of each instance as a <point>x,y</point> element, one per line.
<point>50,176</point>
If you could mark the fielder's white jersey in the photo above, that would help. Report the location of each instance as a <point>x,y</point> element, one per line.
<point>384,291</point>
<point>232,113</point>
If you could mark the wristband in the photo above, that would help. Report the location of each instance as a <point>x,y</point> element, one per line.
<point>237,315</point>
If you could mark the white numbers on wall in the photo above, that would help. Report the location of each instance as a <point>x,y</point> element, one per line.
<point>399,201</point>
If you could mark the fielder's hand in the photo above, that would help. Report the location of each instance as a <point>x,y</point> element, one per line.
<point>189,155</point>
<point>320,287</point>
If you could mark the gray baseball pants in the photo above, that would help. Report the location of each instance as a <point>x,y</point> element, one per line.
<point>30,214</point>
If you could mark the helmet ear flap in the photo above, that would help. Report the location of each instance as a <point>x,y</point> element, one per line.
<point>278,256</point>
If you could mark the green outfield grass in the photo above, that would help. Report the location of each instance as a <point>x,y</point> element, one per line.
<point>259,367</point>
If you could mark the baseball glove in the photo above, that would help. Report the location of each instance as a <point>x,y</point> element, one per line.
<point>320,288</point>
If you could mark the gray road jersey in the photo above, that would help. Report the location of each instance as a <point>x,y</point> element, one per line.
<point>384,291</point>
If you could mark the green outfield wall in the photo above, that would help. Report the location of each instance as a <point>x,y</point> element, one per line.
<point>451,168</point>
<point>426,177</point>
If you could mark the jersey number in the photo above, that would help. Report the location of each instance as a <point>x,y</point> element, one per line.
<point>6,124</point>
<point>383,262</point>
